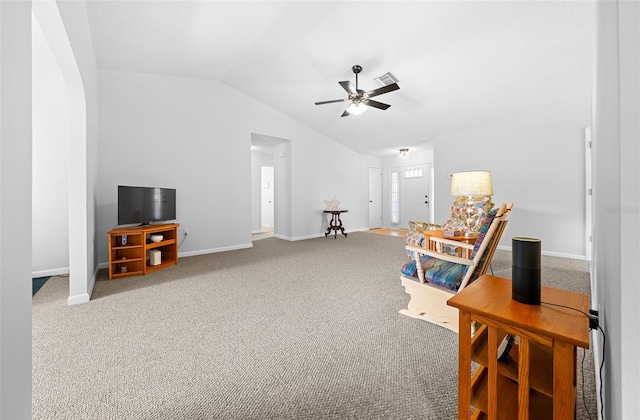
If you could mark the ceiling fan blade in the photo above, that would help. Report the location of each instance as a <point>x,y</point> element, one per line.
<point>346,85</point>
<point>380,91</point>
<point>345,113</point>
<point>331,102</point>
<point>375,104</point>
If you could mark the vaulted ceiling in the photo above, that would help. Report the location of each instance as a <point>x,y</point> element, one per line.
<point>461,64</point>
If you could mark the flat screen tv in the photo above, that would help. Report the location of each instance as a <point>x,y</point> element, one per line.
<point>145,205</point>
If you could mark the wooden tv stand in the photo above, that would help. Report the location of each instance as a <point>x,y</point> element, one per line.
<point>129,248</point>
<point>540,379</point>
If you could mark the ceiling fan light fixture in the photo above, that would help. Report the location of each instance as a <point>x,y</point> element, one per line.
<point>404,153</point>
<point>360,100</point>
<point>356,108</point>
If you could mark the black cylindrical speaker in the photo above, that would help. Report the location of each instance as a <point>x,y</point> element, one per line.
<point>526,269</point>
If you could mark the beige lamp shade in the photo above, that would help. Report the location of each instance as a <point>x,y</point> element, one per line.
<point>476,183</point>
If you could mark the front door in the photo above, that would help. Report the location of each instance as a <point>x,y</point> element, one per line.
<point>414,194</point>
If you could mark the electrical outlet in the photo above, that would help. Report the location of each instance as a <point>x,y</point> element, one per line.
<point>186,231</point>
<point>594,321</point>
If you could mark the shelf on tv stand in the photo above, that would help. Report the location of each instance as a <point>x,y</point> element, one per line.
<point>130,259</point>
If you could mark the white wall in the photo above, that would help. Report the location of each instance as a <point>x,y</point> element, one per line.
<point>320,170</point>
<point>539,165</point>
<point>187,134</point>
<point>616,202</point>
<point>70,39</point>
<point>50,219</point>
<point>282,194</point>
<point>15,210</point>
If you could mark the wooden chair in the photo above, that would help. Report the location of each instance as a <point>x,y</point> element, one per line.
<point>432,277</point>
<point>456,222</point>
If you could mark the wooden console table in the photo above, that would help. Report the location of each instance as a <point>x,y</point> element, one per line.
<point>540,379</point>
<point>335,224</point>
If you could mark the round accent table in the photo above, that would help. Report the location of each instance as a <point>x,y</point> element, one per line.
<point>335,224</point>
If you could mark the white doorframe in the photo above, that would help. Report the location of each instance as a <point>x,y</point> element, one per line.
<point>588,195</point>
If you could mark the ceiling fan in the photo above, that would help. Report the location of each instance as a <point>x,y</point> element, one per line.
<point>360,99</point>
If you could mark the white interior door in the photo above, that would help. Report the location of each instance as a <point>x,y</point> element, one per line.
<point>414,194</point>
<point>266,197</point>
<point>375,198</point>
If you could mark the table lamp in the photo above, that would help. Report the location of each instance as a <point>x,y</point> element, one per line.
<point>471,184</point>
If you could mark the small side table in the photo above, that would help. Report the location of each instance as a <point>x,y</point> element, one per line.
<point>540,379</point>
<point>335,224</point>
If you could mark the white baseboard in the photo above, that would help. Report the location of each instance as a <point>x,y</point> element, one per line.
<point>53,272</point>
<point>302,238</point>
<point>214,250</point>
<point>316,235</point>
<point>84,297</point>
<point>284,238</point>
<point>78,299</point>
<point>551,253</point>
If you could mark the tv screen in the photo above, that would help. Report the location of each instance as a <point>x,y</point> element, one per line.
<point>145,205</point>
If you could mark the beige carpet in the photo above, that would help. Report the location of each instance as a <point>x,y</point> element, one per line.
<point>284,330</point>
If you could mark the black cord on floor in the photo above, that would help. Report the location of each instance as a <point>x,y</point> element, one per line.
<point>604,347</point>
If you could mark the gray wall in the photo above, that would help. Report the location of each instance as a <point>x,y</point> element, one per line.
<point>15,210</point>
<point>539,165</point>
<point>616,202</point>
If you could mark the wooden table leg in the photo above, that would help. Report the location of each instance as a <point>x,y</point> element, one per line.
<point>464,366</point>
<point>340,227</point>
<point>523,379</point>
<point>564,371</point>
<point>492,368</point>
<point>331,225</point>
